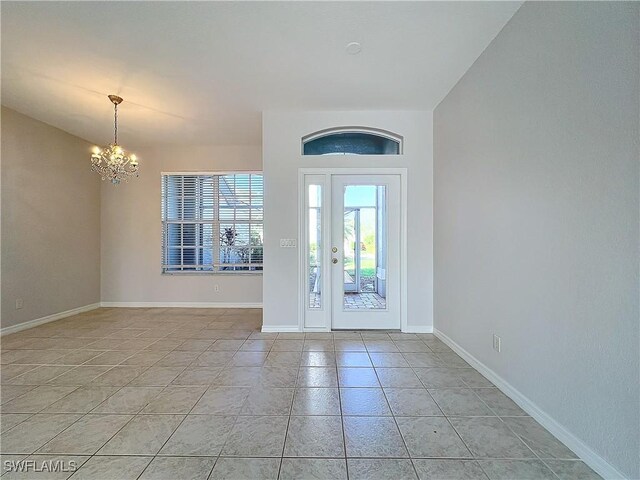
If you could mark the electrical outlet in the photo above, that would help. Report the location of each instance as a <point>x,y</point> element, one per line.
<point>19,303</point>
<point>216,288</point>
<point>287,243</point>
<point>497,343</point>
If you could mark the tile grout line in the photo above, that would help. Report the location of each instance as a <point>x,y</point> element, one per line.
<point>230,333</point>
<point>411,459</point>
<point>176,429</point>
<point>391,412</point>
<point>286,432</point>
<point>344,435</point>
<point>473,456</point>
<point>87,413</point>
<point>538,457</point>
<point>495,415</point>
<point>236,416</point>
<point>133,416</point>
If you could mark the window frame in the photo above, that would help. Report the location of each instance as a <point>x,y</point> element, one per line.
<point>377,132</point>
<point>215,222</point>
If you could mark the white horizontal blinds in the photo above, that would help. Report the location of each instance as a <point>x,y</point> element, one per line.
<point>240,216</point>
<point>212,222</point>
<point>188,222</point>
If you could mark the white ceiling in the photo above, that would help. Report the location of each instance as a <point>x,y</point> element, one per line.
<point>202,72</point>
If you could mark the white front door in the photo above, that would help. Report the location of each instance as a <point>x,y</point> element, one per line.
<point>365,251</point>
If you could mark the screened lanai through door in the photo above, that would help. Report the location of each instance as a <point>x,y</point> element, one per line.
<point>364,244</point>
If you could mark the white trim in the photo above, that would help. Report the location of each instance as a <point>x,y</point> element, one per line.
<point>222,273</point>
<point>179,305</point>
<point>303,241</point>
<point>418,329</point>
<point>353,170</point>
<point>210,172</point>
<point>49,318</point>
<point>399,139</point>
<point>280,328</point>
<point>335,130</point>
<point>402,172</point>
<point>302,250</point>
<point>591,458</point>
<point>404,255</point>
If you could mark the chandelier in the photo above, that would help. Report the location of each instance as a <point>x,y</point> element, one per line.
<point>111,161</point>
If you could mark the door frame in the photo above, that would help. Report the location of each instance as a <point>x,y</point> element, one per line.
<point>325,312</point>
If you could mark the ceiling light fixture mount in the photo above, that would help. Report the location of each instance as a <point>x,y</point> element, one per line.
<point>115,99</point>
<point>111,161</point>
<point>353,48</point>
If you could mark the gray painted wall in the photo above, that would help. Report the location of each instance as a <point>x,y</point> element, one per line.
<point>50,220</point>
<point>536,217</point>
<point>132,241</point>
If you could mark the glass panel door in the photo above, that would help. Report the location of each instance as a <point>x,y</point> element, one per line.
<point>365,211</point>
<point>314,281</point>
<point>314,246</point>
<point>364,246</point>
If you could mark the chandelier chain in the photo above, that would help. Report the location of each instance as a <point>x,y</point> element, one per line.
<point>115,124</point>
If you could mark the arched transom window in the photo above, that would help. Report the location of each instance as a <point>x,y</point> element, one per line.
<point>352,141</point>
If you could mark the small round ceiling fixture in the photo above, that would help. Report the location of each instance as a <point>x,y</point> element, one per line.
<point>354,48</point>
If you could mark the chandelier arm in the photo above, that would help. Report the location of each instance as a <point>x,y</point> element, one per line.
<point>112,162</point>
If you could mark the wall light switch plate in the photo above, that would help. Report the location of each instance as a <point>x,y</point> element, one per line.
<point>287,243</point>
<point>497,343</point>
<point>19,303</point>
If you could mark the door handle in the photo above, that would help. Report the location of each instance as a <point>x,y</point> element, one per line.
<point>334,260</point>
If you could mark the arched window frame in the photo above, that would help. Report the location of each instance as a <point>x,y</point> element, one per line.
<point>365,130</point>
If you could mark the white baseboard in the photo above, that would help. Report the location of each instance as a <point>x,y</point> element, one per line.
<point>280,328</point>
<point>295,328</point>
<point>418,329</point>
<point>179,305</point>
<point>49,318</point>
<point>586,454</point>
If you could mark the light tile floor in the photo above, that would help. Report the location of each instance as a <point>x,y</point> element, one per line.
<point>203,394</point>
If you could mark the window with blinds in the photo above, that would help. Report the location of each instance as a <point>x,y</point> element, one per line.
<point>212,223</point>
